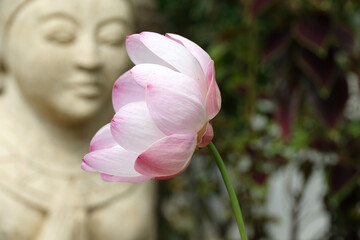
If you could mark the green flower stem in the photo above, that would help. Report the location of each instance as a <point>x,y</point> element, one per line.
<point>230,189</point>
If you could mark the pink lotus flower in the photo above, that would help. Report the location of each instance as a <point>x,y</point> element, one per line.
<point>163,107</point>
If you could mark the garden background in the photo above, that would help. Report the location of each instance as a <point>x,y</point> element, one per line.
<point>288,72</point>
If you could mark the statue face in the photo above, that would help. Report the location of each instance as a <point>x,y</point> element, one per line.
<point>66,54</point>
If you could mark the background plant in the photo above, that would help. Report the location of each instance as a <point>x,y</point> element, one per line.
<point>288,73</point>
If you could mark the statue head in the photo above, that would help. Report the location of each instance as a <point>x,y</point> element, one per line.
<point>65,55</point>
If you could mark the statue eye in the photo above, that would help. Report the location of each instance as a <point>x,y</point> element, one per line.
<point>59,31</point>
<point>111,34</point>
<point>61,37</point>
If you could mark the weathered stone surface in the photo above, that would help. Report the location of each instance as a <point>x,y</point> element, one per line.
<point>58,62</point>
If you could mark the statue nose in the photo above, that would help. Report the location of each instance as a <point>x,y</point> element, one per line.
<point>87,55</point>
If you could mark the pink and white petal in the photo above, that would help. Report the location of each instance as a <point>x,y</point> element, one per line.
<point>141,72</point>
<point>87,168</point>
<point>113,161</point>
<point>139,53</point>
<point>126,90</point>
<point>213,97</point>
<point>207,137</point>
<point>112,178</point>
<point>173,111</point>
<point>201,56</point>
<point>174,54</point>
<point>174,100</point>
<point>168,156</point>
<point>171,176</point>
<point>102,139</point>
<point>133,127</point>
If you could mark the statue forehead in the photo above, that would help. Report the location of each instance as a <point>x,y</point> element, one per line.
<point>87,10</point>
<point>81,8</point>
<point>9,9</point>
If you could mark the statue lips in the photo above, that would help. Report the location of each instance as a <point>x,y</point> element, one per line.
<point>87,87</point>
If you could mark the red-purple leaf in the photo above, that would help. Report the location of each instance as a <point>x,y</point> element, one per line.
<point>313,30</point>
<point>287,100</point>
<point>317,69</point>
<point>276,43</point>
<point>324,145</point>
<point>259,177</point>
<point>340,175</point>
<point>345,38</point>
<point>332,108</point>
<point>258,6</point>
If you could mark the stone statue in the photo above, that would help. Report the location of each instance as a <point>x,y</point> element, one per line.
<point>58,62</point>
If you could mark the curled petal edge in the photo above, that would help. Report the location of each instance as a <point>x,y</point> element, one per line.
<point>168,156</point>
<point>112,178</point>
<point>201,56</point>
<point>207,136</point>
<point>213,97</point>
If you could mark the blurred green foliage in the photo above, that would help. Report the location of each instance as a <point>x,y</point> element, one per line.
<point>283,68</point>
